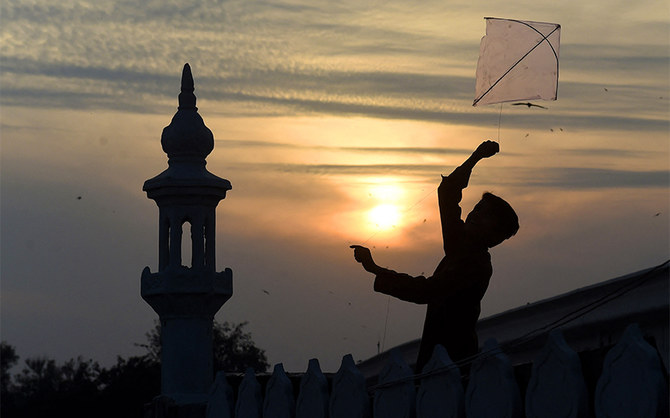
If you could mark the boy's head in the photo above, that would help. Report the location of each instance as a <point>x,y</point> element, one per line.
<point>493,219</point>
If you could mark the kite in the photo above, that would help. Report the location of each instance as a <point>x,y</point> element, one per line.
<point>518,60</point>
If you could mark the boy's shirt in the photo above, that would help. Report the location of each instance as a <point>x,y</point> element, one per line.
<point>454,291</point>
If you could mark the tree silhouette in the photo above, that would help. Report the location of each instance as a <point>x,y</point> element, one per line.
<point>8,358</point>
<point>234,350</point>
<point>43,387</point>
<point>81,388</point>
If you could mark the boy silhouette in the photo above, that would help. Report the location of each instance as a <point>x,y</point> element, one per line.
<point>454,292</point>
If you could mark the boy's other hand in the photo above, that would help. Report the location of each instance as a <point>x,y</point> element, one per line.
<point>364,256</point>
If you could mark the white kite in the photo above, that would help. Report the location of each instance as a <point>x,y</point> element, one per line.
<point>518,60</point>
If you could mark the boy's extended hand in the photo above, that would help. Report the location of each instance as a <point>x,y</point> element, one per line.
<point>487,149</point>
<point>364,256</point>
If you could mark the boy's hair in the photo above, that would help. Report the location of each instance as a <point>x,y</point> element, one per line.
<point>508,221</point>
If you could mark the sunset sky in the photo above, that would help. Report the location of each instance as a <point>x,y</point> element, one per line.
<point>333,121</point>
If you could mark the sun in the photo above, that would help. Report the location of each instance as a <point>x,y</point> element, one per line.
<point>384,216</point>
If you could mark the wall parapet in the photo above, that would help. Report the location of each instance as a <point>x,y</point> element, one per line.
<point>632,384</point>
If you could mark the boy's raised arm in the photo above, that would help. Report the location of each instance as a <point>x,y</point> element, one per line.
<point>449,193</point>
<point>461,175</point>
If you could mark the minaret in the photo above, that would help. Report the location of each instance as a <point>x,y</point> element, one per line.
<point>186,291</point>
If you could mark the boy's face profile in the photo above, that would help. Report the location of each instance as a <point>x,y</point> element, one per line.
<point>482,222</point>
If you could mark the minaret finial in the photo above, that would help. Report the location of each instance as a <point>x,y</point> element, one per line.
<point>186,97</point>
<point>187,135</point>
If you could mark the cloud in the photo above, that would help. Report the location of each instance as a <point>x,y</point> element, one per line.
<point>410,150</point>
<point>296,58</point>
<point>33,97</point>
<point>606,152</point>
<point>584,152</point>
<point>553,177</point>
<point>525,121</point>
<point>596,178</point>
<point>274,83</point>
<point>386,150</point>
<point>28,66</point>
<point>106,11</point>
<point>342,169</point>
<point>285,91</point>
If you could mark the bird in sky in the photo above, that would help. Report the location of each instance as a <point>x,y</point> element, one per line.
<point>529,104</point>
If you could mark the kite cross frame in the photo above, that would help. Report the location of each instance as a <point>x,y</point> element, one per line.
<point>556,27</point>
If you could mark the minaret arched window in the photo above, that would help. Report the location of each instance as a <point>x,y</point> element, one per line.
<point>186,245</point>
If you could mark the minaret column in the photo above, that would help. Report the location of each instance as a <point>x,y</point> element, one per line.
<point>210,247</point>
<point>186,298</point>
<point>176,232</point>
<point>163,241</point>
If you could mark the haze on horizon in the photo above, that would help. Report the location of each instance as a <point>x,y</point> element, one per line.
<point>333,122</point>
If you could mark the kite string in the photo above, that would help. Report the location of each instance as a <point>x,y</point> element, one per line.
<point>499,122</point>
<point>386,322</point>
